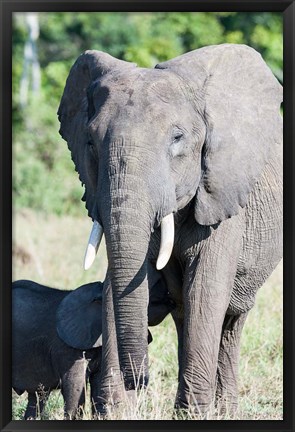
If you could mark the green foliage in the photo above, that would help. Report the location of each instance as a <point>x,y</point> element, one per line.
<point>42,167</point>
<point>43,174</point>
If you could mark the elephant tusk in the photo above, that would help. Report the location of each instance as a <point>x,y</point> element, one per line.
<point>167,241</point>
<point>93,244</point>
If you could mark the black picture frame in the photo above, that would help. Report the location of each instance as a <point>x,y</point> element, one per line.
<point>287,8</point>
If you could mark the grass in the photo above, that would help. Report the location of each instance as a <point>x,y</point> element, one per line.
<point>50,250</point>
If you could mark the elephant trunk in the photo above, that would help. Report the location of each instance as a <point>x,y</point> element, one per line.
<point>127,256</point>
<point>127,235</point>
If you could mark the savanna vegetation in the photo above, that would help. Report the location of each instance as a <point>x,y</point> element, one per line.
<point>50,227</point>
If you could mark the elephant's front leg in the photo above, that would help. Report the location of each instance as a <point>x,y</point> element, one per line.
<point>178,321</point>
<point>227,371</point>
<point>36,403</point>
<point>208,283</point>
<point>94,392</point>
<point>201,336</point>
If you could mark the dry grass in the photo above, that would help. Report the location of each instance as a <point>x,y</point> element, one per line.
<point>50,250</point>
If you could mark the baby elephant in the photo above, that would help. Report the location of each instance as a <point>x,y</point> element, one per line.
<point>56,341</point>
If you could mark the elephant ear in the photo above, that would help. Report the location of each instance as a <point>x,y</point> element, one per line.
<point>75,110</point>
<point>240,100</point>
<point>79,317</point>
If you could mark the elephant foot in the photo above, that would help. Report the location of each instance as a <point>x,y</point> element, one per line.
<point>226,406</point>
<point>99,412</point>
<point>189,414</point>
<point>105,397</point>
<point>191,411</point>
<point>222,408</point>
<point>192,406</point>
<point>77,415</point>
<point>115,407</point>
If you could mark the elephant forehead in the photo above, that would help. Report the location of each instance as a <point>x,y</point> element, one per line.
<point>143,89</point>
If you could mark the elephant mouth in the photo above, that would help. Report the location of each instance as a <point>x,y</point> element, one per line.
<point>166,245</point>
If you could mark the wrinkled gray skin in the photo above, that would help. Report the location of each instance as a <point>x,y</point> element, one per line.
<point>56,341</point>
<point>200,136</point>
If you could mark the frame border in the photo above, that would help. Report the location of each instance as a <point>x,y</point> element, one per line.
<point>7,7</point>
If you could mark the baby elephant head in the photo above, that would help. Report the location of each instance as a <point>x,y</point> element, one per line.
<point>79,317</point>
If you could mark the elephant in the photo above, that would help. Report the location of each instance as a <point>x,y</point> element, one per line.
<point>57,338</point>
<point>182,166</point>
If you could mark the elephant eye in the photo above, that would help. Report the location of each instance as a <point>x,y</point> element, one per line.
<point>96,300</point>
<point>90,143</point>
<point>177,136</point>
<point>177,144</point>
<point>92,148</point>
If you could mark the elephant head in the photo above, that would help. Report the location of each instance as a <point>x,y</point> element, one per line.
<point>194,130</point>
<point>79,317</point>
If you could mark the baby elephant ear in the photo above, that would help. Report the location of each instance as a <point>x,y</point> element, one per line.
<point>79,317</point>
<point>239,99</point>
<point>75,110</point>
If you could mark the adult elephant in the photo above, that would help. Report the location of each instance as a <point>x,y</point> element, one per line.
<point>181,164</point>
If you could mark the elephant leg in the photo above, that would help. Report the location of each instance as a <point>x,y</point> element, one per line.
<point>178,321</point>
<point>208,283</point>
<point>31,410</point>
<point>94,391</point>
<point>73,388</point>
<point>36,403</point>
<point>228,357</point>
<point>200,345</point>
